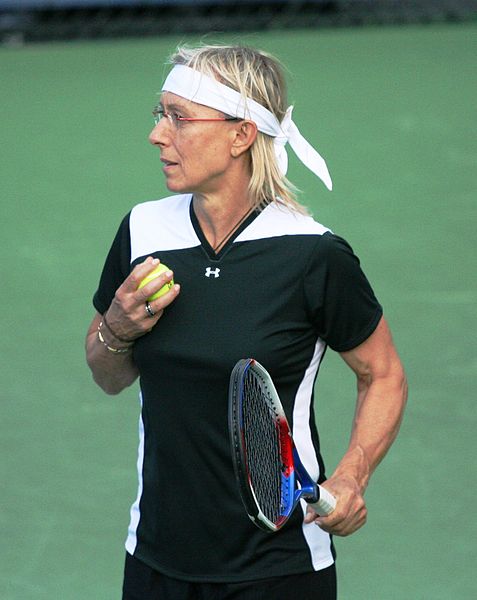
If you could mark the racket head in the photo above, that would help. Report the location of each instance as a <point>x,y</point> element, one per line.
<point>262,446</point>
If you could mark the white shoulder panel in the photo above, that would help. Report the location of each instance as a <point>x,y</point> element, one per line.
<point>162,225</point>
<point>276,220</point>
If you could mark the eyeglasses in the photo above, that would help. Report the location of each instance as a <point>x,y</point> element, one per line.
<point>176,120</point>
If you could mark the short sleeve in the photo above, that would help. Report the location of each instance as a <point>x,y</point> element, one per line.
<point>342,304</point>
<point>116,268</point>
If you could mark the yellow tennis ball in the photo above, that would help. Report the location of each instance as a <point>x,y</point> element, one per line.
<point>161,268</point>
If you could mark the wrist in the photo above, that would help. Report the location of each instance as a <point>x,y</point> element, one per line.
<point>112,346</point>
<point>354,466</point>
<point>114,334</point>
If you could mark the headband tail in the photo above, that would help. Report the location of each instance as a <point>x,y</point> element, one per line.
<point>308,155</point>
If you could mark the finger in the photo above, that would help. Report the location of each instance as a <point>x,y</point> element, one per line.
<point>330,521</point>
<point>132,281</point>
<point>311,513</point>
<point>160,304</point>
<point>125,308</point>
<point>346,524</point>
<point>346,507</point>
<point>155,285</point>
<point>346,528</point>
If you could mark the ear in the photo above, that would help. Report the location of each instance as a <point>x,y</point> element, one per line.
<point>245,135</point>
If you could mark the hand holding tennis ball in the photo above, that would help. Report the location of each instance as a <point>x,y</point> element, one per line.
<point>161,268</point>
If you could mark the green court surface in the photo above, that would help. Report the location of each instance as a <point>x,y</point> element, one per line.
<point>393,111</point>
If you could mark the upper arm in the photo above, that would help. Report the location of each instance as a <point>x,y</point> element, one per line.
<point>341,302</point>
<point>115,269</point>
<point>376,357</point>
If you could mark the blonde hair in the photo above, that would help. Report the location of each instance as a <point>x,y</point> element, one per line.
<point>257,75</point>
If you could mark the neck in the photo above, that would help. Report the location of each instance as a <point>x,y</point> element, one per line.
<point>220,216</point>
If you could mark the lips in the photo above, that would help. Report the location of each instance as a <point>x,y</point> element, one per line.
<point>168,163</point>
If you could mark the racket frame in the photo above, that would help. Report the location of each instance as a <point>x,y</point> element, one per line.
<point>296,483</point>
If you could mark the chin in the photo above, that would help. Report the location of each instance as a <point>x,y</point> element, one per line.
<point>178,188</point>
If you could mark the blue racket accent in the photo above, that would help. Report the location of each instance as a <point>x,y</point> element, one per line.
<point>296,483</point>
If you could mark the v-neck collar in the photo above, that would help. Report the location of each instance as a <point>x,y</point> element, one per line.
<point>203,240</point>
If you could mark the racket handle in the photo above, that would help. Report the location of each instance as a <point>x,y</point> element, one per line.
<point>326,503</point>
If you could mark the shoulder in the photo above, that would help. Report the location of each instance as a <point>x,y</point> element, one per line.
<point>171,205</point>
<point>161,225</point>
<point>279,220</point>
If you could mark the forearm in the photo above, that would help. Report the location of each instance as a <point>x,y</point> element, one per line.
<point>378,416</point>
<point>382,394</point>
<point>112,371</point>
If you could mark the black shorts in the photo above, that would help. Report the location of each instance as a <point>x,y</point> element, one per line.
<point>143,583</point>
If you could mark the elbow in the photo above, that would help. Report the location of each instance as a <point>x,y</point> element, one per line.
<point>397,395</point>
<point>395,380</point>
<point>401,384</point>
<point>111,383</point>
<point>111,388</point>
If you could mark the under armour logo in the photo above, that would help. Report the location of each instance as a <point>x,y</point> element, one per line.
<point>209,272</point>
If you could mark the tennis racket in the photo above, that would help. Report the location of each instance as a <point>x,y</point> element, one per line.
<point>270,475</point>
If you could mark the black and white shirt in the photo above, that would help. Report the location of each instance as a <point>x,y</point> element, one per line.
<point>281,290</point>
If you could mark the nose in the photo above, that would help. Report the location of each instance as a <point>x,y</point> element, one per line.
<point>158,135</point>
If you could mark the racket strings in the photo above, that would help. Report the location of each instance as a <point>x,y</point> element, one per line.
<point>262,445</point>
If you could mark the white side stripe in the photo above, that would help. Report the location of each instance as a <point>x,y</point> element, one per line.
<point>317,540</point>
<point>131,541</point>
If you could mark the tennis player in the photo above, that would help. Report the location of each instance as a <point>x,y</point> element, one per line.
<point>255,276</point>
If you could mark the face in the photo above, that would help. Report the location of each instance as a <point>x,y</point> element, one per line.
<point>196,154</point>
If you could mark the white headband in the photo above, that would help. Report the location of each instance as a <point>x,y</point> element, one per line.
<point>198,87</point>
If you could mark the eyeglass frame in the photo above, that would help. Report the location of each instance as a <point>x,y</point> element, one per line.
<point>176,119</point>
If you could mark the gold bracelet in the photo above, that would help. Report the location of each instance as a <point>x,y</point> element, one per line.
<point>110,348</point>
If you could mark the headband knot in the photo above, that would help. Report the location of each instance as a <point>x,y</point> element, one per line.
<point>281,140</point>
<point>202,89</point>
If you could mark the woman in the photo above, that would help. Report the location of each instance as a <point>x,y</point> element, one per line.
<point>256,277</point>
